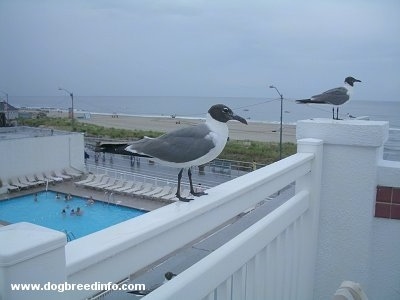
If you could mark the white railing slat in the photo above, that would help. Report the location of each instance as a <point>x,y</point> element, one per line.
<point>231,256</point>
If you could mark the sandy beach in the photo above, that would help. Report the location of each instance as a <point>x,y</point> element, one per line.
<point>254,131</point>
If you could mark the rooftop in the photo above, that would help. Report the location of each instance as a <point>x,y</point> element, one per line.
<point>21,132</point>
<point>4,106</point>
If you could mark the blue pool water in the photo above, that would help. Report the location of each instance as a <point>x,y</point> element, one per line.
<point>47,212</point>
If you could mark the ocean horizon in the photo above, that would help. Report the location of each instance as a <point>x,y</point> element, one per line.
<point>251,108</point>
<point>255,108</point>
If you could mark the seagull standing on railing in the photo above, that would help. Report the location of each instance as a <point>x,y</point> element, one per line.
<point>336,96</point>
<point>185,147</point>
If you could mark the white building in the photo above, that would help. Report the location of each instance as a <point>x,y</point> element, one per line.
<point>26,150</point>
<point>8,113</point>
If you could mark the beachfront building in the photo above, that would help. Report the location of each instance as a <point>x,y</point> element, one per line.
<point>341,224</point>
<point>27,151</point>
<point>8,114</point>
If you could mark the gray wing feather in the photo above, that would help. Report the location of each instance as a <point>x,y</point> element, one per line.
<point>182,145</point>
<point>336,96</point>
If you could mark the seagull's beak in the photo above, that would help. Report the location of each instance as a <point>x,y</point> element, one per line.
<point>356,80</point>
<point>239,118</point>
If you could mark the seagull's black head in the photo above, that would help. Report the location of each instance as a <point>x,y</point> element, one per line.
<point>350,80</point>
<point>223,113</point>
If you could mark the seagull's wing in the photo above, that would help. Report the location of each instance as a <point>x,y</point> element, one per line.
<point>178,146</point>
<point>336,96</point>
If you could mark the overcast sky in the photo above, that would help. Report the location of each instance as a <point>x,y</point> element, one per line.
<point>199,47</point>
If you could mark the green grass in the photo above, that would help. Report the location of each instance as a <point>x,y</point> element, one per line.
<point>247,151</point>
<point>260,152</point>
<point>88,129</point>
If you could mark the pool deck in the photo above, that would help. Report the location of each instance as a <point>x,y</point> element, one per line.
<point>68,187</point>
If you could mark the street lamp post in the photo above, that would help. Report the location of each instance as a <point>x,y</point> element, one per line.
<point>280,132</point>
<point>72,102</point>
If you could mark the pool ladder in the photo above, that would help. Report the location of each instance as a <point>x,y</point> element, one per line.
<point>70,235</point>
<point>109,197</point>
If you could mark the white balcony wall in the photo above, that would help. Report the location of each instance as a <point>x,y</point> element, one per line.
<point>39,150</point>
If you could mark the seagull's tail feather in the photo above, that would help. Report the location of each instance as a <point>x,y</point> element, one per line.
<point>115,148</point>
<point>305,101</point>
<point>138,148</point>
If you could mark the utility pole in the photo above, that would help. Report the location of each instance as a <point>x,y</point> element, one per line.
<point>280,131</point>
<point>72,103</point>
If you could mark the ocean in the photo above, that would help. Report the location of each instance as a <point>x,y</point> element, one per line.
<point>251,108</point>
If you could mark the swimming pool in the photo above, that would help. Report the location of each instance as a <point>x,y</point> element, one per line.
<point>47,212</point>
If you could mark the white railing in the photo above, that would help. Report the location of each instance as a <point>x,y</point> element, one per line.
<point>273,259</point>
<point>133,176</point>
<point>284,240</point>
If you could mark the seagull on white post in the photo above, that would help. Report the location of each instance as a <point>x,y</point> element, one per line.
<point>336,96</point>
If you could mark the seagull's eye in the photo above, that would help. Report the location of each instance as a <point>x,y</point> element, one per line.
<point>226,110</point>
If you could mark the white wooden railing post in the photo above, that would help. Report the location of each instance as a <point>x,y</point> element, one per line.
<point>312,184</point>
<point>35,256</point>
<point>347,227</point>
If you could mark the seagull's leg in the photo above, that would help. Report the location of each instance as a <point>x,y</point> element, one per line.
<point>192,191</point>
<point>337,113</point>
<point>178,192</point>
<point>333,112</point>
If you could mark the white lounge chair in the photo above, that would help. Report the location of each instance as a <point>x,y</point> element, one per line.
<point>137,187</point>
<point>23,180</point>
<point>10,188</point>
<point>110,182</point>
<point>147,187</point>
<point>73,172</point>
<point>166,190</point>
<point>15,182</point>
<point>152,192</point>
<point>58,173</point>
<point>48,175</point>
<point>32,178</point>
<point>88,179</point>
<point>128,185</point>
<point>116,186</point>
<point>41,177</point>
<point>95,183</point>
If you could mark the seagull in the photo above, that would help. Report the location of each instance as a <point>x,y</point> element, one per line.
<point>185,147</point>
<point>336,96</point>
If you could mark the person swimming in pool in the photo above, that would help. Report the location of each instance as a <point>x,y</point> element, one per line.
<point>90,201</point>
<point>79,212</point>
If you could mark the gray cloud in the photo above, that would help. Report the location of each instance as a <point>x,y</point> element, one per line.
<point>199,48</point>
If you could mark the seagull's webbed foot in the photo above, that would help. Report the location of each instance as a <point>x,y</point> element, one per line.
<point>183,199</point>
